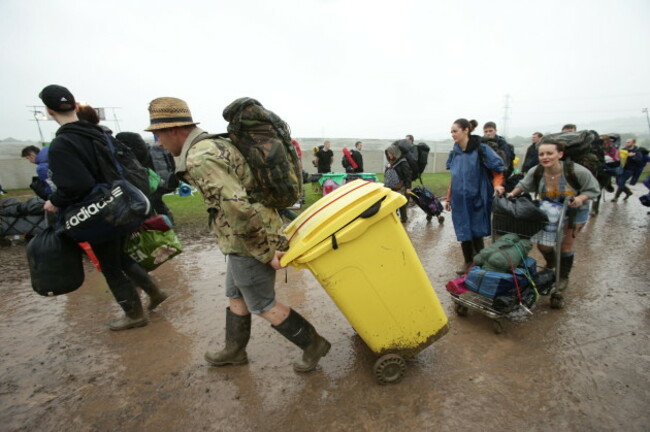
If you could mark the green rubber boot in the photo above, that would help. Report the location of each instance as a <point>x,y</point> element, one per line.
<point>238,332</point>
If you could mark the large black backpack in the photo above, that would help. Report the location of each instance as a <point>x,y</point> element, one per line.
<point>116,161</point>
<point>495,146</point>
<point>583,147</point>
<point>126,165</point>
<point>423,157</point>
<point>575,143</point>
<point>410,153</point>
<point>163,164</point>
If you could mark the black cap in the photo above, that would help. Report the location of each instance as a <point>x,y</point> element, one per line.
<point>57,98</point>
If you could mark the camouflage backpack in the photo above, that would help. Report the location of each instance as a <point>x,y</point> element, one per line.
<point>265,141</point>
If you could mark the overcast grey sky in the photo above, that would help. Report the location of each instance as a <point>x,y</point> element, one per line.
<point>333,68</point>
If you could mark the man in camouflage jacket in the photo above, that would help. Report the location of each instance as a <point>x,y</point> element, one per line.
<point>247,232</point>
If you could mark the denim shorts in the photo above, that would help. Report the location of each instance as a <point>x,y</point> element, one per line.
<point>582,216</point>
<point>254,281</point>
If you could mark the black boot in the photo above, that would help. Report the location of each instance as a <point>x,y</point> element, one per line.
<point>566,264</point>
<point>142,279</point>
<point>238,332</point>
<point>628,193</point>
<point>299,331</point>
<point>468,256</point>
<point>550,257</point>
<point>617,194</point>
<point>595,207</point>
<point>134,316</point>
<point>477,245</point>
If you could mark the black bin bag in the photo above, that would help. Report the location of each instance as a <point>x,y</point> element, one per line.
<point>54,263</point>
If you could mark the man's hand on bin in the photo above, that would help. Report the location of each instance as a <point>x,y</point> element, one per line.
<point>275,262</point>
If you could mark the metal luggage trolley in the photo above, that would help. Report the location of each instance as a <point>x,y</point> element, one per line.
<point>532,230</point>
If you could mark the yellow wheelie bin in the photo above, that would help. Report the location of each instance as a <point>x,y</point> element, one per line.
<point>354,244</point>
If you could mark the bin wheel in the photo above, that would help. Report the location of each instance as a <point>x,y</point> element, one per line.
<point>441,219</point>
<point>557,301</point>
<point>498,327</point>
<point>461,310</point>
<point>389,369</point>
<point>429,217</point>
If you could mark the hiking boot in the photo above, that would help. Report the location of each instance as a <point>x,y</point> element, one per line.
<point>134,317</point>
<point>238,332</point>
<point>300,332</point>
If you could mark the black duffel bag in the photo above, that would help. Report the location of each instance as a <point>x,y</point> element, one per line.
<point>106,212</point>
<point>55,263</point>
<point>519,215</point>
<point>521,208</point>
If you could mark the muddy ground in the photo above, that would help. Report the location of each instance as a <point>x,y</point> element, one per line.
<point>583,368</point>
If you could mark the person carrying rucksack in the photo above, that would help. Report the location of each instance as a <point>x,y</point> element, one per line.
<point>556,181</point>
<point>76,161</point>
<point>634,164</point>
<point>506,151</point>
<point>248,231</point>
<point>352,160</point>
<point>476,175</point>
<point>397,175</point>
<point>141,151</point>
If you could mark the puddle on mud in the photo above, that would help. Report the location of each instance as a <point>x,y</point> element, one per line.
<point>581,368</point>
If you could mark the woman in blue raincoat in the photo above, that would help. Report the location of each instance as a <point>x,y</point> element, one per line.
<point>476,175</point>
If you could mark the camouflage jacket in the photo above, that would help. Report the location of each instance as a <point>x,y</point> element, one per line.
<point>222,175</point>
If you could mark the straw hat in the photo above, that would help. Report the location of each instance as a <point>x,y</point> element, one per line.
<point>167,112</point>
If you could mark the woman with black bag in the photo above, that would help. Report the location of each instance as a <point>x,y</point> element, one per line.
<point>78,164</point>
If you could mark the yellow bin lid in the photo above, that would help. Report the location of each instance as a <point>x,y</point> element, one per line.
<point>331,213</point>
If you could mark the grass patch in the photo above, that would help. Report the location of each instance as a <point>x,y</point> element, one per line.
<point>190,209</point>
<point>22,194</point>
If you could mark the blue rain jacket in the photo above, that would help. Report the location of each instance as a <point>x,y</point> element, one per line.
<point>471,188</point>
<point>42,168</point>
